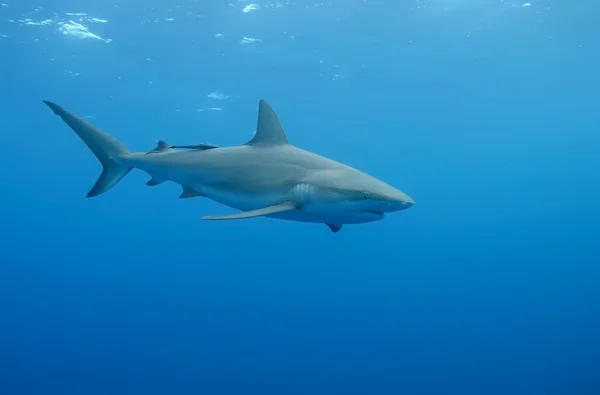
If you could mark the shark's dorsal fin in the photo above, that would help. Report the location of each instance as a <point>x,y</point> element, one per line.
<point>269,130</point>
<point>277,208</point>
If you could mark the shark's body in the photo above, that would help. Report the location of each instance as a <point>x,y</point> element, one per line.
<point>265,177</point>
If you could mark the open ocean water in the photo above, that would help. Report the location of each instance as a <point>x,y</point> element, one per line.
<point>486,112</point>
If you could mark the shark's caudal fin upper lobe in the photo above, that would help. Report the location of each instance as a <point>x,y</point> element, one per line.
<point>107,149</point>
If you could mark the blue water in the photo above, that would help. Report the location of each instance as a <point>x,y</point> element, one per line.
<point>484,111</point>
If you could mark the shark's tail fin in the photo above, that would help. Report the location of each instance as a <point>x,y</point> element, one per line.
<point>107,149</point>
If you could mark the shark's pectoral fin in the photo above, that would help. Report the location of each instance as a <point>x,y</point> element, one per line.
<point>334,228</point>
<point>278,208</point>
<point>189,193</point>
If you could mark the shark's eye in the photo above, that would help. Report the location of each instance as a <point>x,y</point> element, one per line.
<point>366,196</point>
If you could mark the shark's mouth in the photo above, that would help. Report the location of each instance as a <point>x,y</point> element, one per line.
<point>378,213</point>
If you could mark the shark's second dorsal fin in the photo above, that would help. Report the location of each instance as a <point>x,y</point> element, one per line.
<point>160,147</point>
<point>269,130</point>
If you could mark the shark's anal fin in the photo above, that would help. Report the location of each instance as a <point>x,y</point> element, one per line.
<point>278,208</point>
<point>189,193</point>
<point>334,228</point>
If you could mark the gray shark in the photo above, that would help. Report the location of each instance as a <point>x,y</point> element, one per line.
<point>267,176</point>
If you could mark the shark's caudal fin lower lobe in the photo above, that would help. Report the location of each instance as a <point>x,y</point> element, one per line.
<point>106,148</point>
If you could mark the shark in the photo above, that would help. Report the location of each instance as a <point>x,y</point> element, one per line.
<point>265,177</point>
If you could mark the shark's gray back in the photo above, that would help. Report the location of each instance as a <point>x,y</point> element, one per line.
<point>251,167</point>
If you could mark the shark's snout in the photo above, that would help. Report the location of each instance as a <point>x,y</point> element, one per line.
<point>407,204</point>
<point>397,201</point>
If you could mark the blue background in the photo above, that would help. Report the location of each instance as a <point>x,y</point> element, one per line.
<point>484,111</point>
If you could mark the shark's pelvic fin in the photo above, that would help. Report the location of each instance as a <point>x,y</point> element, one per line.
<point>334,228</point>
<point>106,148</point>
<point>155,181</point>
<point>269,130</point>
<point>160,147</point>
<point>201,146</point>
<point>278,208</point>
<point>189,193</point>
